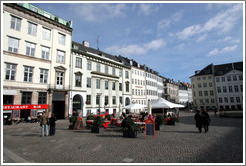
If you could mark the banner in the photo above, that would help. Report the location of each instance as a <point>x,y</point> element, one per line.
<point>25,107</point>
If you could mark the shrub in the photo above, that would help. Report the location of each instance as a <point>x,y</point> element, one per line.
<point>128,124</point>
<point>98,122</point>
<point>159,120</point>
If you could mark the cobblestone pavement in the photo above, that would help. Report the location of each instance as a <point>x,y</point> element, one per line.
<point>181,143</point>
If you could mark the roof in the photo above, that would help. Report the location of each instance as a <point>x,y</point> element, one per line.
<point>220,69</point>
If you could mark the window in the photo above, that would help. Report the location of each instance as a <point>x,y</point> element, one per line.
<point>220,100</point>
<point>225,99</point>
<point>43,75</point>
<point>120,73</point>
<point>224,89</point>
<point>30,49</point>
<point>106,69</point>
<point>209,77</point>
<point>98,67</point>
<point>61,39</point>
<point>113,85</point>
<point>13,45</point>
<point>106,100</point>
<point>106,84</point>
<point>236,88</point>
<point>88,82</point>
<point>228,78</point>
<point>127,86</point>
<point>234,78</point>
<point>238,99</point>
<point>42,97</point>
<point>210,84</point>
<point>78,80</point>
<point>218,89</point>
<point>212,101</point>
<point>230,88</point>
<point>120,86</point>
<point>98,83</point>
<point>205,93</point>
<point>60,56</point>
<point>28,72</point>
<point>46,34</point>
<point>10,71</point>
<point>204,85</point>
<point>232,99</point>
<point>113,70</point>
<point>59,78</point>
<point>217,79</point>
<point>200,93</point>
<point>120,99</point>
<point>15,23</point>
<point>97,99</point>
<point>88,65</point>
<point>26,98</point>
<point>88,99</point>
<point>240,77</point>
<point>45,52</point>
<point>127,74</point>
<point>204,78</point>
<point>198,78</point>
<point>211,92</point>
<point>199,85</point>
<point>78,62</point>
<point>114,99</point>
<point>223,79</point>
<point>241,87</point>
<point>32,29</point>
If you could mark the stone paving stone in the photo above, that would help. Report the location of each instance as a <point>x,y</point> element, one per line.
<point>181,143</point>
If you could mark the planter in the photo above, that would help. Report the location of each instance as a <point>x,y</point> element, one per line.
<point>97,130</point>
<point>171,122</point>
<point>158,127</point>
<point>89,126</point>
<point>130,134</point>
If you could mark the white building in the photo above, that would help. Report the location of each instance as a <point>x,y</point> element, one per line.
<point>229,86</point>
<point>100,82</point>
<point>36,57</point>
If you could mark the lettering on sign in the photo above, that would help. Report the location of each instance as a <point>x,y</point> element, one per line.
<point>23,107</point>
<point>150,127</point>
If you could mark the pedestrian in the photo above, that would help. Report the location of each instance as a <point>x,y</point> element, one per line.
<point>52,122</point>
<point>44,124</point>
<point>198,119</point>
<point>205,120</point>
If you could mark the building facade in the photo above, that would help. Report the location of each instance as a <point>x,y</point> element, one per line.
<point>100,82</point>
<point>229,86</point>
<point>36,57</point>
<point>211,88</point>
<point>171,90</point>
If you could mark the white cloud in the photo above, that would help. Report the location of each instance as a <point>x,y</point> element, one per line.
<point>201,38</point>
<point>227,49</point>
<point>99,12</point>
<point>147,9</point>
<point>136,49</point>
<point>223,22</point>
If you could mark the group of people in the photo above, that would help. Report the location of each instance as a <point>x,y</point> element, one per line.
<point>45,122</point>
<point>202,120</point>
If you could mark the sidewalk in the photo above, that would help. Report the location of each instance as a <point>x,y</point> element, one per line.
<point>181,143</point>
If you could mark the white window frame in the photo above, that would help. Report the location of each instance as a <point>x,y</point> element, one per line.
<point>15,23</point>
<point>43,76</point>
<point>45,52</point>
<point>46,34</point>
<point>61,39</point>
<point>28,71</point>
<point>32,29</point>
<point>30,49</point>
<point>60,57</point>
<point>78,62</point>
<point>59,79</point>
<point>11,70</point>
<point>13,45</point>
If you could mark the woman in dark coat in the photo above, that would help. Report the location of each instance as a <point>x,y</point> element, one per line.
<point>205,120</point>
<point>52,122</point>
<point>198,119</point>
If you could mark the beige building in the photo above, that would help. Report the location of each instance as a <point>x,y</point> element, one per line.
<point>36,58</point>
<point>171,90</point>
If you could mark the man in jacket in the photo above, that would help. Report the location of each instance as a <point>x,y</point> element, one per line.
<point>44,124</point>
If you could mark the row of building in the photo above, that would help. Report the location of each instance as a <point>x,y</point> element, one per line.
<point>43,66</point>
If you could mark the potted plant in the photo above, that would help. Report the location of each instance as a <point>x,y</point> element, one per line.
<point>89,124</point>
<point>170,120</point>
<point>129,128</point>
<point>97,125</point>
<point>159,120</point>
<point>72,121</point>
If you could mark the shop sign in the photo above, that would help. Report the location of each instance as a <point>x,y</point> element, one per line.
<point>24,107</point>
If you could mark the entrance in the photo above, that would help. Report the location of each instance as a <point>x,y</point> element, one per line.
<point>77,103</point>
<point>58,109</point>
<point>24,114</point>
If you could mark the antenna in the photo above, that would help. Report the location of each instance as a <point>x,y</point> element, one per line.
<point>98,42</point>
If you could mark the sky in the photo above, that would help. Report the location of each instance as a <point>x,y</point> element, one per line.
<point>174,39</point>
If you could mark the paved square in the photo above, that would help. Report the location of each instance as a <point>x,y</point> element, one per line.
<point>181,143</point>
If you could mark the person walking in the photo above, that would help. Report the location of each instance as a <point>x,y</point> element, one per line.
<point>205,119</point>
<point>44,124</point>
<point>198,119</point>
<point>52,122</point>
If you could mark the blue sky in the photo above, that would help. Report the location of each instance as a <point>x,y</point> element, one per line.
<point>174,39</point>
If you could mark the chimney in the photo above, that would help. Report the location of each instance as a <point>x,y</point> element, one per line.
<point>131,62</point>
<point>86,44</point>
